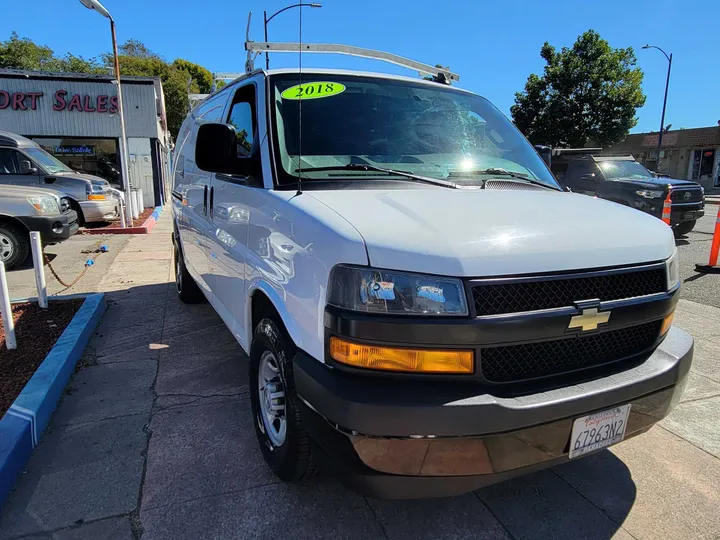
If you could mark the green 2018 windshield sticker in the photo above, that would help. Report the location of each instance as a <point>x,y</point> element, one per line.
<point>313,90</point>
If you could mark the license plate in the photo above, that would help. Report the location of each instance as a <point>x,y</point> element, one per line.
<point>695,214</point>
<point>598,430</point>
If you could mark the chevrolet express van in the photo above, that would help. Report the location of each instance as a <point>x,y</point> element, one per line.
<point>424,309</point>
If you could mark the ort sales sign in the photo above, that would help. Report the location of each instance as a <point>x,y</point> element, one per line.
<point>61,100</point>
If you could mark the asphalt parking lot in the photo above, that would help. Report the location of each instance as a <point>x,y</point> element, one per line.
<point>153,441</point>
<point>695,248</point>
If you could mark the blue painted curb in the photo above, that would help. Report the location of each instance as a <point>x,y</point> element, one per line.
<point>23,424</point>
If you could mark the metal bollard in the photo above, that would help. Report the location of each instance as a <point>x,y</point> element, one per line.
<point>121,209</point>
<point>39,269</point>
<point>136,204</point>
<point>6,310</point>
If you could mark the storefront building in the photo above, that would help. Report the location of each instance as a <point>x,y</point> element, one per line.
<point>687,154</point>
<point>75,118</point>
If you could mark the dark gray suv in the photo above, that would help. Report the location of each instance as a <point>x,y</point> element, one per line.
<point>623,180</point>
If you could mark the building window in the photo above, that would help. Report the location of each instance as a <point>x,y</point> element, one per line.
<point>100,157</point>
<point>703,162</point>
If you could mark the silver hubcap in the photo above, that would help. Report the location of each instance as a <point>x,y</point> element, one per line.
<point>6,248</point>
<point>272,399</point>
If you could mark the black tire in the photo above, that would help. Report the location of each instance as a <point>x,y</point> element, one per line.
<point>292,460</point>
<point>74,205</point>
<point>14,245</point>
<point>681,229</point>
<point>187,290</point>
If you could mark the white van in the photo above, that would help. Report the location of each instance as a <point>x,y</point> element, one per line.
<point>425,310</point>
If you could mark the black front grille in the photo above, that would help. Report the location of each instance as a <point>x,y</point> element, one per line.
<point>686,195</point>
<point>515,363</point>
<point>496,298</point>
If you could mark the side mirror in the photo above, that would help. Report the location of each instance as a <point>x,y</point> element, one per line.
<point>26,167</point>
<point>216,150</point>
<point>545,153</point>
<point>50,179</point>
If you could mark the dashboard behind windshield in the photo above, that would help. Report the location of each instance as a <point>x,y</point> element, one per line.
<point>428,130</point>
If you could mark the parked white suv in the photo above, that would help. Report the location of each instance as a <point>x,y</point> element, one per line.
<point>425,310</point>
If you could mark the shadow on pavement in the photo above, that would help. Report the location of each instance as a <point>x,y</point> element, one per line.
<point>588,499</point>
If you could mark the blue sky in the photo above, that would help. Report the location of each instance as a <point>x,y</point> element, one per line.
<point>493,46</point>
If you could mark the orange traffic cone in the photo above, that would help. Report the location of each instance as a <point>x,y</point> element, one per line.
<point>667,208</point>
<point>712,266</point>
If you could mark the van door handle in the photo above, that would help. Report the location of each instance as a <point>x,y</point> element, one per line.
<point>205,199</point>
<point>212,198</point>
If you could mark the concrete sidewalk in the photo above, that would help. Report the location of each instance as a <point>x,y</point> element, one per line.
<point>154,440</point>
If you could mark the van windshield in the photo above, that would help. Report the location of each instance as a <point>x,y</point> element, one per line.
<point>428,130</point>
<point>50,163</point>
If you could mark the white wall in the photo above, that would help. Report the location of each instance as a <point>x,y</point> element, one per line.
<point>141,174</point>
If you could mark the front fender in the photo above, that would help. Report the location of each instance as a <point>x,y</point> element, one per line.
<point>293,243</point>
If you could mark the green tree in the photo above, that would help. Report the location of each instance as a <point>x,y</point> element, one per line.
<point>78,64</point>
<point>590,92</point>
<point>136,49</point>
<point>199,74</point>
<point>23,53</point>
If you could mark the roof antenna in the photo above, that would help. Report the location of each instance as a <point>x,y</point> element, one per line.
<point>299,191</point>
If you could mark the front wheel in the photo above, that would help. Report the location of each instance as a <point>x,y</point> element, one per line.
<point>14,245</point>
<point>187,290</point>
<point>284,443</point>
<point>685,227</point>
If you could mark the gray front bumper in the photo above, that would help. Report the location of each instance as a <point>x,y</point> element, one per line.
<point>400,443</point>
<point>94,211</point>
<point>388,408</point>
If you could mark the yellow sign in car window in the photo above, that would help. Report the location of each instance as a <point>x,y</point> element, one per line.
<point>313,90</point>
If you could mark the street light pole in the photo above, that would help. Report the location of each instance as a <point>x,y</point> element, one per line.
<point>266,20</point>
<point>667,84</point>
<point>267,56</point>
<point>123,137</point>
<point>97,6</point>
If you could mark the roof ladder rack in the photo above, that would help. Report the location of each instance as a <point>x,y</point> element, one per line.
<point>438,74</point>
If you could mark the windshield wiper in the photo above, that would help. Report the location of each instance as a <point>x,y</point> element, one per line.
<point>393,172</point>
<point>499,171</point>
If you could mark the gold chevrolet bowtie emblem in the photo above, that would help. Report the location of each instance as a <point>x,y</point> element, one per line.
<point>589,319</point>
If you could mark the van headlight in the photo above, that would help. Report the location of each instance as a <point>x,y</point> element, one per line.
<point>672,270</point>
<point>395,293</point>
<point>45,204</point>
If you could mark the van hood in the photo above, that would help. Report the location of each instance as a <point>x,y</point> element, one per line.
<point>478,233</point>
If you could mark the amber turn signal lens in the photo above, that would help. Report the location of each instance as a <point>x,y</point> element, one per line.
<point>96,197</point>
<point>667,323</point>
<point>408,360</point>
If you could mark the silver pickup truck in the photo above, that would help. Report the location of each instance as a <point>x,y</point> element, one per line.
<point>32,209</point>
<point>24,163</point>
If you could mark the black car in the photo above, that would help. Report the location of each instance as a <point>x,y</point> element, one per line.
<point>625,181</point>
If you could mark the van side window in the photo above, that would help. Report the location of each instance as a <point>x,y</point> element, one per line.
<point>211,109</point>
<point>9,161</point>
<point>241,118</point>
